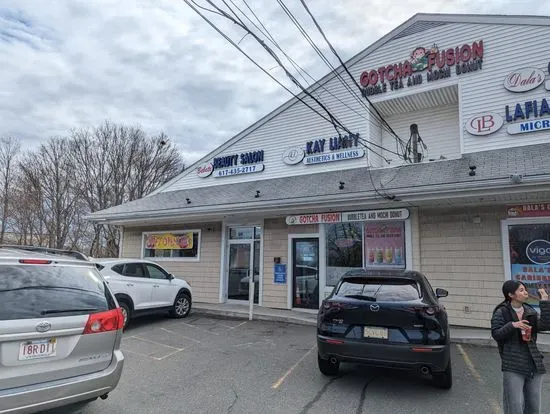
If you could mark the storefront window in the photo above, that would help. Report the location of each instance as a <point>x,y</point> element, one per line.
<point>385,245</point>
<point>344,249</point>
<point>173,245</point>
<point>530,256</point>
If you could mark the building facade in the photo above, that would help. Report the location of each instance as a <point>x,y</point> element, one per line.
<point>293,205</point>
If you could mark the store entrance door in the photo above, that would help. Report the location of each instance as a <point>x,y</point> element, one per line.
<point>305,273</point>
<point>243,264</point>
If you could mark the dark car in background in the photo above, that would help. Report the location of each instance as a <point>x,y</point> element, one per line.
<point>385,318</point>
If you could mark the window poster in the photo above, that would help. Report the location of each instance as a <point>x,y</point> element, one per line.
<point>385,244</point>
<point>530,257</point>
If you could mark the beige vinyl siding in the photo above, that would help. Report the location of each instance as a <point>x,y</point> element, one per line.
<point>276,234</point>
<point>466,259</point>
<point>204,275</point>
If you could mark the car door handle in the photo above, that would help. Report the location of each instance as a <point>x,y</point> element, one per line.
<point>156,285</point>
<point>129,284</point>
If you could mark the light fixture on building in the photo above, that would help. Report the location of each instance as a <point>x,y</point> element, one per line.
<point>472,170</point>
<point>257,194</point>
<point>516,178</point>
<point>341,187</point>
<point>188,200</point>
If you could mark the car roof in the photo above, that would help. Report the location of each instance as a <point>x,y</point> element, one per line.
<point>9,254</point>
<point>384,273</point>
<point>116,260</point>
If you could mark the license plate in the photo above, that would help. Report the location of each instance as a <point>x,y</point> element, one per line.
<point>372,332</point>
<point>42,348</point>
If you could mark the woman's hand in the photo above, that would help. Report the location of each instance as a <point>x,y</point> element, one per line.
<point>523,325</point>
<point>543,294</point>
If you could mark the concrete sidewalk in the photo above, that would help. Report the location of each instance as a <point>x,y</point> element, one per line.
<point>459,335</point>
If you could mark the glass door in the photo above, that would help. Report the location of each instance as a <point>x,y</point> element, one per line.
<point>305,273</point>
<point>244,263</point>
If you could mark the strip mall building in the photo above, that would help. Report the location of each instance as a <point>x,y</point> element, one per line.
<point>294,206</point>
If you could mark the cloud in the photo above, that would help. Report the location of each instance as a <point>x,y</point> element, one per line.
<point>155,63</point>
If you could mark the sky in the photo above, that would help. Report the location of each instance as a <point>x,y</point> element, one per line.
<point>155,63</point>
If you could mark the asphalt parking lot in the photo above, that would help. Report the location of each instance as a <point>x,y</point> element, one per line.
<point>206,365</point>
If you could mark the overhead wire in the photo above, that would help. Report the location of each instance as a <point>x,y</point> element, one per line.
<point>330,119</point>
<point>342,63</point>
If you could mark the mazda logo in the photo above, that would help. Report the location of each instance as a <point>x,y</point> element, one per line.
<point>43,326</point>
<point>375,308</point>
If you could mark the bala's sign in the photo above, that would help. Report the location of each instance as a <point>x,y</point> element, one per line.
<point>523,80</point>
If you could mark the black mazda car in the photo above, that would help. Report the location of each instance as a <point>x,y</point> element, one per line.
<point>385,318</point>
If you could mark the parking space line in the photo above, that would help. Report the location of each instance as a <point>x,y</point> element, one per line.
<point>183,336</point>
<point>202,329</point>
<point>495,406</point>
<point>278,383</point>
<point>241,324</point>
<point>157,343</point>
<point>168,355</point>
<point>136,353</point>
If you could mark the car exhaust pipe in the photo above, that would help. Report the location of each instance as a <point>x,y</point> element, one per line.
<point>333,360</point>
<point>104,396</point>
<point>425,370</point>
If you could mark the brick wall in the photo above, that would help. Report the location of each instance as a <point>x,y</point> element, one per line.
<point>203,276</point>
<point>276,245</point>
<point>465,258</point>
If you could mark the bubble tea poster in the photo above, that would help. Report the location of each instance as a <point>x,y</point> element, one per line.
<point>385,244</point>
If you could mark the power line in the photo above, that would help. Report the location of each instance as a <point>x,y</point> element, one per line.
<point>330,118</point>
<point>348,72</point>
<point>333,119</point>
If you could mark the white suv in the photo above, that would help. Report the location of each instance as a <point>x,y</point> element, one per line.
<point>142,286</point>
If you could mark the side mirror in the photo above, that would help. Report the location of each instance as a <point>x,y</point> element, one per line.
<point>441,293</point>
<point>171,276</point>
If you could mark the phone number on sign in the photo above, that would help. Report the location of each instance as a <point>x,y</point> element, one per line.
<point>239,170</point>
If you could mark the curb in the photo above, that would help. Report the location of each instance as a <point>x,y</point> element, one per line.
<point>483,342</point>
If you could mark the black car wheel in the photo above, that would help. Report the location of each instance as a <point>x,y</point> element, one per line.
<point>126,312</point>
<point>444,379</point>
<point>328,368</point>
<point>182,306</point>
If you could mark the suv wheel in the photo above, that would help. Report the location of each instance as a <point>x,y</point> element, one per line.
<point>182,306</point>
<point>126,312</point>
<point>444,379</point>
<point>328,368</point>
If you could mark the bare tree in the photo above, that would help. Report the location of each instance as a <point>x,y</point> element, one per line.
<point>9,151</point>
<point>117,164</point>
<point>50,174</point>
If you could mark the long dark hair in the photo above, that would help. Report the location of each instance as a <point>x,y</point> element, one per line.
<point>509,287</point>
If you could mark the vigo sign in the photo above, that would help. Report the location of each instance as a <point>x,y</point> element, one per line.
<point>523,80</point>
<point>538,251</point>
<point>484,124</point>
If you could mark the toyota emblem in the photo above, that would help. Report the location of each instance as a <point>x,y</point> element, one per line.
<point>43,326</point>
<point>375,308</point>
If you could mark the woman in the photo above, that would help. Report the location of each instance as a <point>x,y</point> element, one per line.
<point>515,326</point>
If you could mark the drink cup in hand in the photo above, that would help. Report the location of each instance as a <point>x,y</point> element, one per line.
<point>526,334</point>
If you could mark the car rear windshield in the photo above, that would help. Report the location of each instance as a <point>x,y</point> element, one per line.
<point>383,290</point>
<point>37,291</point>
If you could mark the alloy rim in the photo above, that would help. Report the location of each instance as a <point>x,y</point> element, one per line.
<point>182,306</point>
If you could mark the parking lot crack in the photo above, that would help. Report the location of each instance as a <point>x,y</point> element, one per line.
<point>236,397</point>
<point>364,395</point>
<point>319,394</point>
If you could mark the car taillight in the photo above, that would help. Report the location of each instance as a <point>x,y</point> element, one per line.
<point>104,322</point>
<point>332,306</point>
<point>34,261</point>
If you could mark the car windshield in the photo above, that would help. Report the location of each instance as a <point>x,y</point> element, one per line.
<point>378,289</point>
<point>32,291</point>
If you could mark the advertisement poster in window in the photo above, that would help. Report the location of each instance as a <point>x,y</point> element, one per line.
<point>530,257</point>
<point>169,241</point>
<point>385,245</point>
